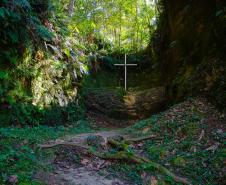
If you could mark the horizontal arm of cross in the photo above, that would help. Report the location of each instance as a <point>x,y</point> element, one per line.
<point>126,64</point>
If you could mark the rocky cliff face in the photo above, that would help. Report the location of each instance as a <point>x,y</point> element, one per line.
<point>189,45</point>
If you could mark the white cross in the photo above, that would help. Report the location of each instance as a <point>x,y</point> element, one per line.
<point>125,64</point>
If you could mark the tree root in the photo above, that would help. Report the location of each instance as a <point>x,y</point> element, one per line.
<point>119,156</point>
<point>67,144</point>
<point>111,142</point>
<point>141,139</point>
<point>165,171</point>
<point>122,155</point>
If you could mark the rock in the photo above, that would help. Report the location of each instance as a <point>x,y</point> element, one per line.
<point>12,180</point>
<point>95,141</point>
<point>117,138</point>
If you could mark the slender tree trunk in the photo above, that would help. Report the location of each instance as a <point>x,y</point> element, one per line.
<point>120,28</point>
<point>137,27</point>
<point>115,36</point>
<point>71,7</point>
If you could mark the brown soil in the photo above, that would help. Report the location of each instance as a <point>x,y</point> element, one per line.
<point>86,170</point>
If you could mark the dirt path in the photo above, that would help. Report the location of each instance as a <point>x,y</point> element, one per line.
<point>83,176</point>
<point>86,171</point>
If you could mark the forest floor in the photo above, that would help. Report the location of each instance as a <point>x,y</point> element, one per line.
<point>73,168</point>
<point>186,142</point>
<point>182,145</point>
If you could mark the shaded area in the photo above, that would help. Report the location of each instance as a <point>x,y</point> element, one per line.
<point>188,48</point>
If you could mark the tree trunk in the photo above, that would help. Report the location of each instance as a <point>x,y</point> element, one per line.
<point>120,28</point>
<point>71,7</point>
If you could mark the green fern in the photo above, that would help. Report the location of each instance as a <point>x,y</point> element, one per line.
<point>23,3</point>
<point>44,33</point>
<point>2,12</point>
<point>4,75</point>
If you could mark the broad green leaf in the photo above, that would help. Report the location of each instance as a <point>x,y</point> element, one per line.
<point>67,52</point>
<point>218,13</point>
<point>4,75</point>
<point>2,12</point>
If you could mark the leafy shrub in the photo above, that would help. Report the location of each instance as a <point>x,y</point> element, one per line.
<point>28,114</point>
<point>74,112</point>
<point>30,75</point>
<point>68,115</point>
<point>22,27</point>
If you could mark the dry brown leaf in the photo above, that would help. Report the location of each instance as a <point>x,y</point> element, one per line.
<point>201,135</point>
<point>85,161</point>
<point>145,130</point>
<point>153,181</point>
<point>213,147</point>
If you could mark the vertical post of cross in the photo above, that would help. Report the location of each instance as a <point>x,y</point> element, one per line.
<point>125,66</point>
<point>125,73</point>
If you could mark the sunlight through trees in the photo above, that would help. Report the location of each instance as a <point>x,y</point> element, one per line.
<point>121,23</point>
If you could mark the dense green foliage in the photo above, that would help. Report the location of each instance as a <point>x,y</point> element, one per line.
<point>54,52</point>
<point>37,65</point>
<point>122,24</point>
<point>46,49</point>
<point>21,29</point>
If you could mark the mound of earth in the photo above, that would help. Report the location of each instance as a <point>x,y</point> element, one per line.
<point>141,104</point>
<point>110,106</point>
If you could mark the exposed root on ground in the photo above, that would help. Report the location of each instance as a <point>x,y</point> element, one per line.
<point>122,154</point>
<point>141,139</point>
<point>67,144</point>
